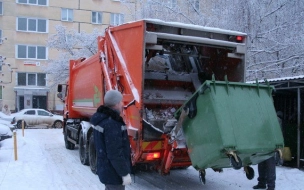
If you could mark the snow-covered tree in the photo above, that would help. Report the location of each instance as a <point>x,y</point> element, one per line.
<point>70,44</point>
<point>275,28</point>
<point>185,11</point>
<point>275,38</point>
<point>275,31</point>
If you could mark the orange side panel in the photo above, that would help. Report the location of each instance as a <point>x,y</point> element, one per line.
<point>127,43</point>
<point>129,39</point>
<point>86,87</point>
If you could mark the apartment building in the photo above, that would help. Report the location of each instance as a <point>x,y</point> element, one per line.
<point>25,26</point>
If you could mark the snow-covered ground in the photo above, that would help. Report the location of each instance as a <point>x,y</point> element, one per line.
<point>44,163</point>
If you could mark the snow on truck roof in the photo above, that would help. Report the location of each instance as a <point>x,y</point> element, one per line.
<point>192,26</point>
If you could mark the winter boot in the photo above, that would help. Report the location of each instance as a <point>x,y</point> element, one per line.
<point>259,186</point>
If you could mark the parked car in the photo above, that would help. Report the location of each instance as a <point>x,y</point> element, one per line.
<point>8,124</point>
<point>5,132</point>
<point>33,117</point>
<point>6,117</point>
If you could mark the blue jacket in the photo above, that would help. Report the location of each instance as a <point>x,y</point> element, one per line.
<point>112,146</point>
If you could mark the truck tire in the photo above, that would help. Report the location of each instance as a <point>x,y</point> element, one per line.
<point>68,144</point>
<point>83,153</point>
<point>92,155</point>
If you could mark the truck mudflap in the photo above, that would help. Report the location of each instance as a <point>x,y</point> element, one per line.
<point>230,124</point>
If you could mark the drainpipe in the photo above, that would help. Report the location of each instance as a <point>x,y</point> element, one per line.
<point>299,125</point>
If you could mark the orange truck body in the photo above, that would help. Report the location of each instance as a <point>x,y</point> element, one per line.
<point>152,90</point>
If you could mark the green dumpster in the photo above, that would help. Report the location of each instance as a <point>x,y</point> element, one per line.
<point>230,123</point>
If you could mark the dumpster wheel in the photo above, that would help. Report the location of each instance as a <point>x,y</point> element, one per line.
<point>249,172</point>
<point>236,162</point>
<point>202,176</point>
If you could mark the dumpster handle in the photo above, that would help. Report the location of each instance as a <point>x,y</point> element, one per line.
<point>205,87</point>
<point>213,81</point>
<point>258,87</point>
<point>184,113</point>
<point>227,83</point>
<point>268,85</point>
<point>191,106</point>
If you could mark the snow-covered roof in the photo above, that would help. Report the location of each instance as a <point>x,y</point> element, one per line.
<point>279,79</point>
<point>194,27</point>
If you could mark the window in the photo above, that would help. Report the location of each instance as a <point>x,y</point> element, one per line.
<point>30,112</point>
<point>33,2</point>
<point>43,113</point>
<point>96,17</point>
<point>31,79</point>
<point>1,8</point>
<point>32,25</point>
<point>67,15</point>
<point>31,52</point>
<point>1,40</point>
<point>0,92</point>
<point>116,19</point>
<point>41,79</point>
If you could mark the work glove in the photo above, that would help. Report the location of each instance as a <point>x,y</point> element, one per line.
<point>126,180</point>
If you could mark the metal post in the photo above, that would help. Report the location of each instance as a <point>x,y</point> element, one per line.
<point>22,128</point>
<point>298,124</point>
<point>15,146</point>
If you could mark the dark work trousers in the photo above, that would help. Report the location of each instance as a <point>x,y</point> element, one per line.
<point>267,172</point>
<point>115,187</point>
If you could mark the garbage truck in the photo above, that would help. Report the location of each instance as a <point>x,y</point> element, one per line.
<point>185,99</point>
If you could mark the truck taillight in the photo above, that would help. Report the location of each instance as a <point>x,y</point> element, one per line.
<point>151,156</point>
<point>239,38</point>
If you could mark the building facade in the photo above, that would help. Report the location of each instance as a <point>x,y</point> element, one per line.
<point>25,26</point>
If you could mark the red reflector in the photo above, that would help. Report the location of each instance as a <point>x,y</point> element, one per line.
<point>152,156</point>
<point>239,38</point>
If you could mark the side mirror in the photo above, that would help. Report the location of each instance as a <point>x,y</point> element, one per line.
<point>59,88</point>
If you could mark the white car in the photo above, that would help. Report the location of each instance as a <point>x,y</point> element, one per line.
<point>34,116</point>
<point>5,132</point>
<point>8,124</point>
<point>6,117</point>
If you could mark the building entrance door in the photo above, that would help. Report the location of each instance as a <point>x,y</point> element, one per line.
<point>39,102</point>
<point>21,103</point>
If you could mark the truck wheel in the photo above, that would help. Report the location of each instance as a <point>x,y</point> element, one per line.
<point>83,153</point>
<point>92,155</point>
<point>68,144</point>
